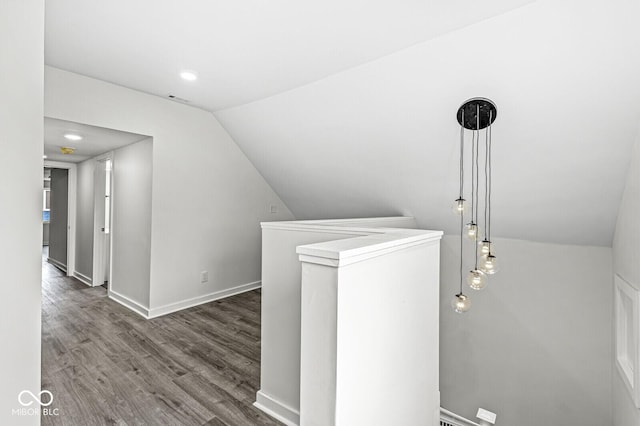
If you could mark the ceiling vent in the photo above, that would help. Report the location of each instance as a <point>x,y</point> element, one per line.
<point>176,98</point>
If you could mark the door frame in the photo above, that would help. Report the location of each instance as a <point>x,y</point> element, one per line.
<point>71,210</point>
<point>98,252</point>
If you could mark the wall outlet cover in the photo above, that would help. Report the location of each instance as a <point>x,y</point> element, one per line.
<point>486,415</point>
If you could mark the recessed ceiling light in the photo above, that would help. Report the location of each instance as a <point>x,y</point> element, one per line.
<point>189,75</point>
<point>67,150</point>
<point>73,137</point>
<point>44,157</point>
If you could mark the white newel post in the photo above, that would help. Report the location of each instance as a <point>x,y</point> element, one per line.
<point>369,330</point>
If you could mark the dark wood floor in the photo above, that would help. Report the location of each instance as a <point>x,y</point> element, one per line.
<point>106,365</point>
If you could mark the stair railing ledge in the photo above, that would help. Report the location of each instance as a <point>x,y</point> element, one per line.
<point>453,419</point>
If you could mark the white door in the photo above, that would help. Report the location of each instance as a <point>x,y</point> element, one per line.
<point>102,221</point>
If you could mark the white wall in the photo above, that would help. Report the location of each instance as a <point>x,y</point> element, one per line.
<point>131,223</point>
<point>84,219</point>
<point>369,347</point>
<point>207,198</point>
<point>535,348</point>
<point>281,271</point>
<point>280,336</point>
<point>626,258</point>
<point>21,136</point>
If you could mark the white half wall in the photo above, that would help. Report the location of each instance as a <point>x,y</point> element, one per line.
<point>279,393</point>
<point>207,199</point>
<point>131,223</point>
<point>535,348</point>
<point>21,136</point>
<point>280,334</point>
<point>369,347</point>
<point>626,258</point>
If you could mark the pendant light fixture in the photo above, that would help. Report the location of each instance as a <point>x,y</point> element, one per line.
<point>475,115</point>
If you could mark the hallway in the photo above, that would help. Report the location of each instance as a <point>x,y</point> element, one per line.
<point>106,365</point>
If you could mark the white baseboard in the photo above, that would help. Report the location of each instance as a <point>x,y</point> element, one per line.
<point>276,409</point>
<point>184,304</point>
<point>82,278</point>
<point>128,303</point>
<point>57,264</point>
<point>195,301</point>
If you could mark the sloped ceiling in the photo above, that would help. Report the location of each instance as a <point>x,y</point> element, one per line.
<point>347,108</point>
<point>382,138</point>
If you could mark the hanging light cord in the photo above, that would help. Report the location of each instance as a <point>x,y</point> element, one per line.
<point>475,243</point>
<point>461,229</point>
<point>486,182</point>
<point>489,184</point>
<point>473,174</point>
<point>476,197</point>
<point>477,172</point>
<point>461,157</point>
<point>461,190</point>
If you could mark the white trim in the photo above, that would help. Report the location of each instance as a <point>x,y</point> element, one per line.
<point>348,251</point>
<point>627,335</point>
<point>455,419</point>
<point>98,236</point>
<point>339,226</point>
<point>148,313</point>
<point>71,210</point>
<point>58,264</point>
<point>82,278</point>
<point>128,303</point>
<point>199,300</point>
<point>276,409</point>
<point>324,229</point>
<point>337,222</point>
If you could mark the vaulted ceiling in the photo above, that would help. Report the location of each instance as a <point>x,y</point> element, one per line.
<point>347,108</point>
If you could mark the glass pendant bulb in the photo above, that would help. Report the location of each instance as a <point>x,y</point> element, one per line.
<point>485,247</point>
<point>488,264</point>
<point>477,280</point>
<point>472,231</point>
<point>461,303</point>
<point>459,207</point>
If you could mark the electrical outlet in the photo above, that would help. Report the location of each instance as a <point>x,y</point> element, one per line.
<point>204,277</point>
<point>274,208</point>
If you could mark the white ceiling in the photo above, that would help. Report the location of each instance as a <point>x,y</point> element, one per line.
<point>243,50</point>
<point>342,126</point>
<point>95,140</point>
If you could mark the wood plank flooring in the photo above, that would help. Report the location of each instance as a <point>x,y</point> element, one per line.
<point>105,365</point>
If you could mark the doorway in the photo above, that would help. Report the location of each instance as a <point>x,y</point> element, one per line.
<point>84,149</point>
<point>58,203</point>
<point>103,179</point>
<point>58,214</point>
